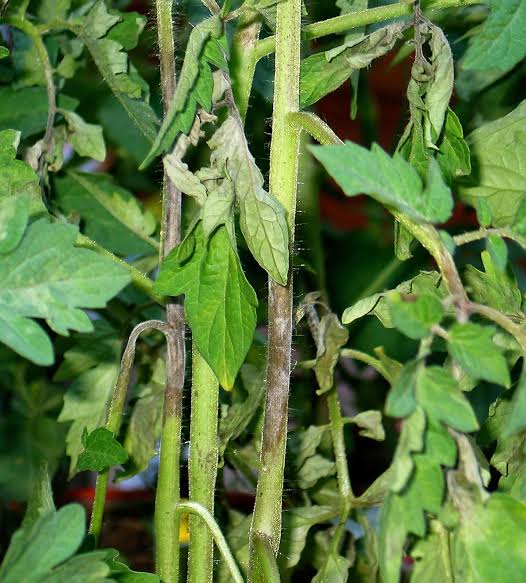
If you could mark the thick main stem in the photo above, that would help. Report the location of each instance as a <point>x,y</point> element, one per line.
<point>266,522</point>
<point>168,490</point>
<point>202,466</point>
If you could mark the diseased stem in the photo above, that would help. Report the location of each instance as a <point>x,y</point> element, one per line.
<point>168,491</point>
<point>115,413</point>
<point>346,22</point>
<point>202,466</point>
<point>33,33</point>
<point>266,521</point>
<point>242,61</point>
<point>211,524</point>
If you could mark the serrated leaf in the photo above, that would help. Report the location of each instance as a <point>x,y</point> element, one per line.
<point>113,217</point>
<point>401,400</point>
<point>262,217</point>
<point>415,316</point>
<point>500,43</point>
<point>219,302</point>
<point>472,346</point>
<point>47,277</point>
<point>495,288</point>
<point>128,30</point>
<point>324,72</point>
<point>86,139</point>
<point>395,183</point>
<point>101,451</point>
<point>98,20</point>
<point>195,85</point>
<point>442,400</point>
<point>498,151</point>
<point>51,540</point>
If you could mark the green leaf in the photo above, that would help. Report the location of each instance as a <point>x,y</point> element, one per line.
<point>93,364</point>
<point>498,251</point>
<point>314,468</point>
<point>500,43</point>
<point>401,400</point>
<point>432,557</point>
<point>415,316</point>
<point>121,573</point>
<point>395,183</point>
<point>195,85</point>
<point>335,570</point>
<point>220,304</point>
<point>495,288</point>
<point>472,346</point>
<point>86,139</point>
<point>262,217</point>
<point>128,30</point>
<point>186,181</point>
<point>98,20</point>
<point>472,562</point>
<point>332,336</point>
<point>453,154</point>
<point>498,152</point>
<point>219,209</point>
<point>112,216</point>
<point>26,62</point>
<point>47,277</point>
<point>101,451</point>
<point>85,568</point>
<point>442,400</point>
<point>517,418</point>
<point>324,72</point>
<point>33,553</point>
<point>411,441</point>
<point>14,213</point>
<point>4,52</point>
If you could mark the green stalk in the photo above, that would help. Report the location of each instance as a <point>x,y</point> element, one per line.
<point>202,466</point>
<point>242,61</point>
<point>344,23</point>
<point>168,490</point>
<point>115,414</point>
<point>266,521</point>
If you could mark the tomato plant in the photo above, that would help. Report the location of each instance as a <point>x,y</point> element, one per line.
<point>138,227</point>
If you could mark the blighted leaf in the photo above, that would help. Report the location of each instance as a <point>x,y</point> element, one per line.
<point>498,152</point>
<point>219,302</point>
<point>101,451</point>
<point>324,72</point>
<point>14,213</point>
<point>438,394</point>
<point>395,183</point>
<point>472,346</point>
<point>262,218</point>
<point>500,43</point>
<point>472,561</point>
<point>415,316</point>
<point>219,209</point>
<point>332,336</point>
<point>369,424</point>
<point>432,557</point>
<point>86,139</point>
<point>195,85</point>
<point>185,180</point>
<point>112,216</point>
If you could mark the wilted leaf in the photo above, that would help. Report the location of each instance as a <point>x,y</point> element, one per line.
<point>369,424</point>
<point>395,183</point>
<point>86,139</point>
<point>331,337</point>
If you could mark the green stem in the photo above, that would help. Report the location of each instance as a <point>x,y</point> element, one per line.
<point>139,279</point>
<point>202,466</point>
<point>315,126</point>
<point>242,61</point>
<point>502,320</point>
<point>266,521</point>
<point>115,413</point>
<point>367,359</point>
<point>168,485</point>
<point>504,232</point>
<point>344,23</point>
<point>266,560</point>
<point>222,545</point>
